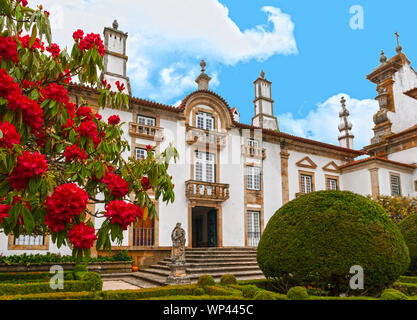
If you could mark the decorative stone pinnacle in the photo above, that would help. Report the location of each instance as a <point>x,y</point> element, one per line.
<point>115,24</point>
<point>383,58</point>
<point>203,66</point>
<point>262,74</point>
<point>343,102</point>
<point>399,48</point>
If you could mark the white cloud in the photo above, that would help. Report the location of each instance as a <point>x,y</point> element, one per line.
<point>321,123</point>
<point>163,33</point>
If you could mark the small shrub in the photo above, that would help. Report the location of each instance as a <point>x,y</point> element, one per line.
<point>221,291</point>
<point>250,291</point>
<point>408,227</point>
<point>79,271</point>
<point>198,291</point>
<point>406,279</point>
<point>95,280</point>
<point>228,279</point>
<point>265,295</point>
<point>398,208</point>
<point>409,289</point>
<point>392,294</point>
<point>69,276</point>
<point>205,280</point>
<point>298,293</point>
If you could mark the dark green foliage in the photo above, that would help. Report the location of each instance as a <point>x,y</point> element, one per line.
<point>79,271</point>
<point>250,291</point>
<point>198,291</point>
<point>168,291</point>
<point>298,293</point>
<point>205,280</point>
<point>409,289</point>
<point>29,276</point>
<point>392,294</point>
<point>221,291</point>
<point>316,239</point>
<point>227,279</point>
<point>95,280</point>
<point>268,295</point>
<point>406,279</point>
<point>408,227</point>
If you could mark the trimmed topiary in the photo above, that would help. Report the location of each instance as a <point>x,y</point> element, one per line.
<point>317,238</point>
<point>227,279</point>
<point>408,227</point>
<point>198,291</point>
<point>79,271</point>
<point>298,293</point>
<point>205,280</point>
<point>250,291</point>
<point>265,295</point>
<point>392,294</point>
<point>95,279</point>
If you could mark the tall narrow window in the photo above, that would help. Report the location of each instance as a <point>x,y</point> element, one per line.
<point>141,153</point>
<point>395,185</point>
<point>332,184</point>
<point>306,183</point>
<point>253,178</point>
<point>204,167</point>
<point>253,228</point>
<point>205,121</point>
<point>143,234</point>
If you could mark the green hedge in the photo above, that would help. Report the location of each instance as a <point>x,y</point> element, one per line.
<point>54,296</point>
<point>408,228</point>
<point>318,237</point>
<point>203,297</point>
<point>185,290</point>
<point>27,276</point>
<point>409,289</point>
<point>406,279</point>
<point>222,291</point>
<point>392,294</point>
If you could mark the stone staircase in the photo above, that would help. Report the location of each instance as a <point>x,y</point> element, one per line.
<point>241,262</point>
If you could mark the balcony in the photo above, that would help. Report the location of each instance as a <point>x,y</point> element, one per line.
<point>146,132</point>
<point>205,137</point>
<point>200,190</point>
<point>254,152</point>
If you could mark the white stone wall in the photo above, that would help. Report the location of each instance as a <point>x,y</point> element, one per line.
<point>358,181</point>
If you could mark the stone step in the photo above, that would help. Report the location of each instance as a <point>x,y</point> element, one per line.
<point>215,263</point>
<point>221,249</point>
<point>211,271</point>
<point>220,256</point>
<point>204,268</point>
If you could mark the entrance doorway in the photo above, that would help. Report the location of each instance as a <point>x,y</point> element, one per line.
<point>204,227</point>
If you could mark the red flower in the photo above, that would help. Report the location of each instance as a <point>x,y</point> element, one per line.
<point>123,213</point>
<point>67,201</point>
<point>10,135</point>
<point>82,236</point>
<point>54,50</point>
<point>4,211</point>
<point>8,49</point>
<point>23,2</point>
<point>105,84</point>
<point>78,35</point>
<point>8,87</point>
<point>119,86</point>
<point>98,116</point>
<point>92,41</point>
<point>47,13</point>
<point>74,152</point>
<point>145,183</point>
<point>85,112</point>
<point>25,41</point>
<point>28,166</point>
<point>148,147</point>
<point>116,184</point>
<point>55,92</point>
<point>114,120</point>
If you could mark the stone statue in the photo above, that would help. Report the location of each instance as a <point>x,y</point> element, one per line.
<point>178,244</point>
<point>178,267</point>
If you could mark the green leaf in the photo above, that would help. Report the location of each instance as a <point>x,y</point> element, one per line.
<point>33,36</point>
<point>28,219</point>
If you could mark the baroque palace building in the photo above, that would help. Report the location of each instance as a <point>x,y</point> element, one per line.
<point>232,177</point>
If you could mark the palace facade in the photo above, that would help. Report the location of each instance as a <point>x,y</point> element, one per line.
<point>231,177</point>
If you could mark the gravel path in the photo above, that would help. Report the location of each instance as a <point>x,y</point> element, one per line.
<point>118,285</point>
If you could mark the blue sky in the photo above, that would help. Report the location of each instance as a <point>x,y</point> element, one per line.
<point>306,48</point>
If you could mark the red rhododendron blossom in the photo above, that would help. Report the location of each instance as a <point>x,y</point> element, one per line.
<point>123,213</point>
<point>67,201</point>
<point>119,86</point>
<point>28,165</point>
<point>84,112</point>
<point>8,87</point>
<point>82,236</point>
<point>92,41</point>
<point>78,35</point>
<point>10,135</point>
<point>89,129</point>
<point>54,50</point>
<point>148,147</point>
<point>4,211</point>
<point>105,84</point>
<point>113,120</point>
<point>55,92</point>
<point>98,116</point>
<point>25,41</point>
<point>116,184</point>
<point>23,2</point>
<point>8,49</point>
<point>74,152</point>
<point>145,183</point>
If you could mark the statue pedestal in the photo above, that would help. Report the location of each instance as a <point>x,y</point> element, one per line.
<point>178,274</point>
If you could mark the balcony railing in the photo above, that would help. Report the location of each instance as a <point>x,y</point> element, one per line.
<point>143,237</point>
<point>145,131</point>
<point>200,190</point>
<point>254,152</point>
<point>205,137</point>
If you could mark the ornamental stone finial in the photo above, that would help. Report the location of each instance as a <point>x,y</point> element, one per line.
<point>203,66</point>
<point>262,74</point>
<point>383,58</point>
<point>398,48</point>
<point>115,24</point>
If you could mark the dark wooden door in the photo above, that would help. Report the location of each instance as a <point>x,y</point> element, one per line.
<point>212,228</point>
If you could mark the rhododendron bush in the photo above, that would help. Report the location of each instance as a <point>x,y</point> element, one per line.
<point>58,157</point>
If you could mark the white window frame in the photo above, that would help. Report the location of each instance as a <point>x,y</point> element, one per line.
<point>29,240</point>
<point>253,178</point>
<point>253,143</point>
<point>253,227</point>
<point>142,151</point>
<point>306,183</point>
<point>204,166</point>
<point>147,121</point>
<point>202,120</point>
<point>334,185</point>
